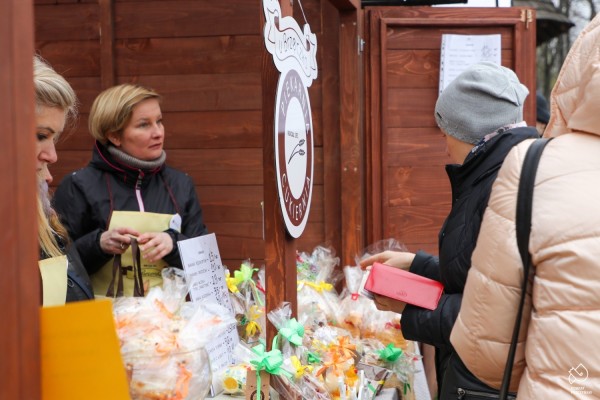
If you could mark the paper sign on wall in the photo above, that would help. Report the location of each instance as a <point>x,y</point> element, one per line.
<point>458,52</point>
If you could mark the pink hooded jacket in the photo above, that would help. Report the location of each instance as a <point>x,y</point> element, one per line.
<point>558,356</point>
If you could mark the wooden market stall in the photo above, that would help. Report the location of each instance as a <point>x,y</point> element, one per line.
<point>206,59</point>
<point>377,151</point>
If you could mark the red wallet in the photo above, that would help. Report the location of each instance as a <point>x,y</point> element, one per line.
<point>405,286</point>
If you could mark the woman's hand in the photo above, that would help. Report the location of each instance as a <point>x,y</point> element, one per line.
<point>398,259</point>
<point>116,241</point>
<point>155,245</point>
<point>388,304</point>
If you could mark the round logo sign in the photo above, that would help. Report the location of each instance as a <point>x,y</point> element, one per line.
<point>294,151</point>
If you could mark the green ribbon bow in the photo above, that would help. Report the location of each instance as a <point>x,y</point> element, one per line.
<point>390,353</point>
<point>244,274</point>
<point>313,358</point>
<point>269,361</point>
<point>293,331</point>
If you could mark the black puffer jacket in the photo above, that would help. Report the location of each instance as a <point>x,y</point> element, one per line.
<point>471,185</point>
<point>86,198</point>
<point>79,286</point>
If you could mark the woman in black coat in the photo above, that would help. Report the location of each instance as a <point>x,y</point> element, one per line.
<point>127,191</point>
<point>481,115</point>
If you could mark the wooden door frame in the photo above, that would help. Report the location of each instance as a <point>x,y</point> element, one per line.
<point>352,149</point>
<point>375,78</point>
<point>343,149</point>
<point>20,283</point>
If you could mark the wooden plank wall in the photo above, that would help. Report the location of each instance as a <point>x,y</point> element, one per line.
<point>204,57</point>
<point>418,193</point>
<point>409,192</point>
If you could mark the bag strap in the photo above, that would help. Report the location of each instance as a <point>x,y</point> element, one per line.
<point>117,273</point>
<point>523,223</point>
<point>138,282</point>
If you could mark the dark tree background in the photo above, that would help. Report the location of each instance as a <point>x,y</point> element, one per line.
<point>551,54</point>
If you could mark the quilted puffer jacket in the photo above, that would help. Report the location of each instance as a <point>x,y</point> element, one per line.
<point>557,357</point>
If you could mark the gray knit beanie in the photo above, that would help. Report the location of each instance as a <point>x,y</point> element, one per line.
<point>483,98</point>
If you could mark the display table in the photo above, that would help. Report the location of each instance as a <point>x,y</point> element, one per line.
<point>385,394</point>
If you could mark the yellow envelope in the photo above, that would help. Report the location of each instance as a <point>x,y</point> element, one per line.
<point>54,280</point>
<point>80,353</point>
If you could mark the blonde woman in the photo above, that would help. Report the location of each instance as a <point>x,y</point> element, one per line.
<point>127,191</point>
<point>55,105</point>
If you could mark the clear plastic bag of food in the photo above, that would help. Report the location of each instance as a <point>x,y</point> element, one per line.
<point>353,305</point>
<point>163,340</point>
<point>318,300</point>
<point>248,299</point>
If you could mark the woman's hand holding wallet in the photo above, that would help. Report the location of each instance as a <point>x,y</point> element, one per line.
<point>398,259</point>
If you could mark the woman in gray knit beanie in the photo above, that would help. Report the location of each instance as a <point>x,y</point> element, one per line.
<point>481,101</point>
<point>481,115</point>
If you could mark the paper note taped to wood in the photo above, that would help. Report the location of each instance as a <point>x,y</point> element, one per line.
<point>80,355</point>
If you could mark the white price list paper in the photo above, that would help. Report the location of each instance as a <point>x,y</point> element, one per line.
<point>458,52</point>
<point>206,276</point>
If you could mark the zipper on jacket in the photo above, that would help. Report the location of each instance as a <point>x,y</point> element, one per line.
<point>465,392</point>
<point>138,190</point>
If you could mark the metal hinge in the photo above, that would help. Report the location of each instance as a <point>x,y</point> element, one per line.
<point>361,45</point>
<point>527,17</point>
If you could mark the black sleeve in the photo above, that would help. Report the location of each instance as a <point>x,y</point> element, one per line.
<point>426,265</point>
<point>432,327</point>
<point>192,225</point>
<point>72,207</point>
<point>79,286</point>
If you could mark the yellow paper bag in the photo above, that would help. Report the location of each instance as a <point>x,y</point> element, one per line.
<point>80,353</point>
<point>54,280</point>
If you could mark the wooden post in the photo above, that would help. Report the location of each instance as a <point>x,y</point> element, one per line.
<point>280,248</point>
<point>351,143</point>
<point>20,284</point>
<point>329,75</point>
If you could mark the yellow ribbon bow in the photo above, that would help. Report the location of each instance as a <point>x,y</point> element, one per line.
<point>299,368</point>
<point>319,287</point>
<point>231,283</point>
<point>253,327</point>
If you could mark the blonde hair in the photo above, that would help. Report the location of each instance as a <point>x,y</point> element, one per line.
<point>113,107</point>
<point>49,228</point>
<point>51,90</point>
